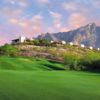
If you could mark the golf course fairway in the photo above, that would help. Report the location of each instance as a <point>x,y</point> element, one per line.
<point>33,83</point>
<point>49,85</point>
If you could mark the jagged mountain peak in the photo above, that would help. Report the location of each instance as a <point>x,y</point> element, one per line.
<point>91,24</point>
<point>88,35</point>
<point>88,26</point>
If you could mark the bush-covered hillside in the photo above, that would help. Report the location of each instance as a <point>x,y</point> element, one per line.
<point>73,57</point>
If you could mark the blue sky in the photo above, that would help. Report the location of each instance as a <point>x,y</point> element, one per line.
<point>32,17</point>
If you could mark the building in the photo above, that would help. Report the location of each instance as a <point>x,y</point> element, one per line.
<point>98,49</point>
<point>71,43</point>
<point>91,48</point>
<point>51,41</point>
<point>63,42</point>
<point>19,40</point>
<point>82,46</point>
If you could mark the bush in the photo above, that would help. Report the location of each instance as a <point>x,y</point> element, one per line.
<point>91,62</point>
<point>41,42</point>
<point>88,62</point>
<point>71,61</point>
<point>8,50</point>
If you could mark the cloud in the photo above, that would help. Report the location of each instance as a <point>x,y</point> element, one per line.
<point>64,29</point>
<point>45,2</point>
<point>37,19</point>
<point>18,22</point>
<point>21,3</point>
<point>70,6</point>
<point>55,14</point>
<point>96,3</point>
<point>50,29</point>
<point>13,21</point>
<point>57,22</point>
<point>29,27</point>
<point>76,6</point>
<point>3,38</point>
<point>9,12</point>
<point>76,20</point>
<point>56,19</point>
<point>37,23</point>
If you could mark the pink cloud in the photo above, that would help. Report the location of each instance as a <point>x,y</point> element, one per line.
<point>55,14</point>
<point>70,6</point>
<point>43,1</point>
<point>29,27</point>
<point>50,29</point>
<point>57,17</point>
<point>57,22</point>
<point>13,21</point>
<point>21,3</point>
<point>76,20</point>
<point>64,29</point>
<point>8,12</point>
<point>96,3</point>
<point>3,39</point>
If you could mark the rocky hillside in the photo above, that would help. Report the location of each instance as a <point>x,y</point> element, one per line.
<point>88,35</point>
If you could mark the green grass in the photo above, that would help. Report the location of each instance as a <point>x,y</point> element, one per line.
<point>41,82</point>
<point>49,85</point>
<point>19,63</point>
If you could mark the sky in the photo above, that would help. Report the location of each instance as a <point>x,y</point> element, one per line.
<point>33,17</point>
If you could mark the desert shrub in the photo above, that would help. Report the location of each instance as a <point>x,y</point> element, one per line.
<point>87,62</point>
<point>9,50</point>
<point>41,42</point>
<point>71,61</point>
<point>36,42</point>
<point>91,62</point>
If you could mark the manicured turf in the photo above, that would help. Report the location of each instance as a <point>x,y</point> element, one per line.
<point>49,85</point>
<point>33,83</point>
<point>19,63</point>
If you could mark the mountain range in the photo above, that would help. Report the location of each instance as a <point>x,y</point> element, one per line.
<point>88,35</point>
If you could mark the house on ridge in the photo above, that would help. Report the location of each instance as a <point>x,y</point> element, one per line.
<point>19,40</point>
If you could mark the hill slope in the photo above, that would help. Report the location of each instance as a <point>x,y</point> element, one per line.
<point>19,63</point>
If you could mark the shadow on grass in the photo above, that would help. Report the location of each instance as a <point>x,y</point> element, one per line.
<point>51,61</point>
<point>53,67</point>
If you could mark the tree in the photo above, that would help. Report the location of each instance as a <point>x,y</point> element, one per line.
<point>91,61</point>
<point>9,50</point>
<point>42,42</point>
<point>71,61</point>
<point>36,42</point>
